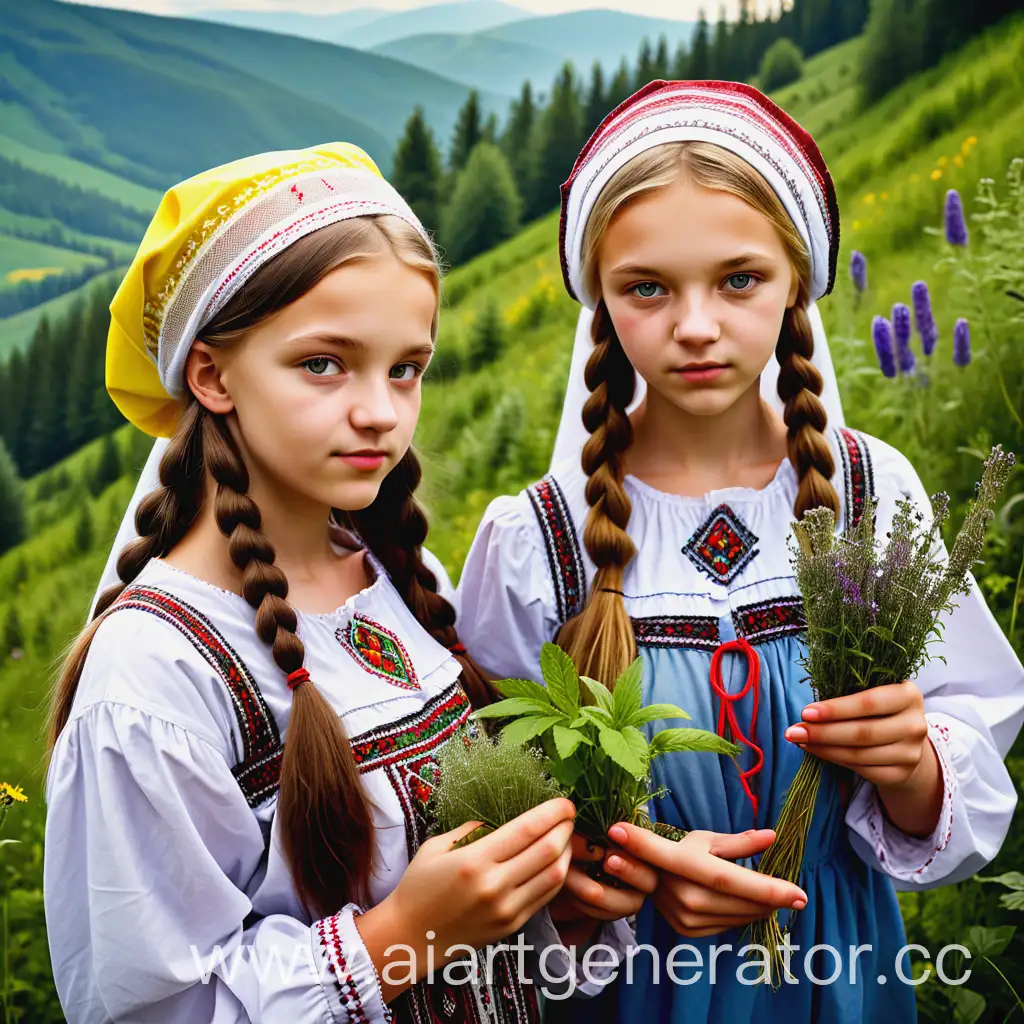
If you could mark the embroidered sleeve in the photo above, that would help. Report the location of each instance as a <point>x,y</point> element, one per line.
<point>506,602</point>
<point>184,841</point>
<point>349,979</point>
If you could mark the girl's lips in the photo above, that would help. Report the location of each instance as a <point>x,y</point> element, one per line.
<point>366,461</point>
<point>701,374</point>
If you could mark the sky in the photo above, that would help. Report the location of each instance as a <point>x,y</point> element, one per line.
<point>685,10</point>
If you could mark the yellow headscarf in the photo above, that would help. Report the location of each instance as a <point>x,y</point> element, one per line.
<point>209,234</point>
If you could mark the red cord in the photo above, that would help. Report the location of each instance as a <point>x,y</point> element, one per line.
<point>726,712</point>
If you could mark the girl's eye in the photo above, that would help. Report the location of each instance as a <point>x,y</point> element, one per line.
<point>405,372</point>
<point>321,366</point>
<point>646,289</point>
<point>741,282</point>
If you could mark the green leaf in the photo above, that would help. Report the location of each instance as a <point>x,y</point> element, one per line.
<point>566,772</point>
<point>989,942</point>
<point>525,729</point>
<point>637,743</point>
<point>523,688</point>
<point>628,692</point>
<point>601,693</point>
<point>1013,900</point>
<point>597,716</point>
<point>968,1006</point>
<point>655,712</point>
<point>514,706</point>
<point>617,747</point>
<point>566,740</point>
<point>1012,880</point>
<point>671,741</point>
<point>562,680</point>
<point>9,842</point>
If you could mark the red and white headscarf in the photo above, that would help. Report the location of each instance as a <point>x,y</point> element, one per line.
<point>743,121</point>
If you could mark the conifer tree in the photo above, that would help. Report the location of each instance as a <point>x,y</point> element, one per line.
<point>662,65</point>
<point>644,65</point>
<point>518,143</point>
<point>597,99</point>
<point>12,503</point>
<point>417,170</point>
<point>700,53</point>
<point>561,137</point>
<point>468,132</point>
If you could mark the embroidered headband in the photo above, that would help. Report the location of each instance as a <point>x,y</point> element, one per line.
<point>729,114</point>
<point>209,235</point>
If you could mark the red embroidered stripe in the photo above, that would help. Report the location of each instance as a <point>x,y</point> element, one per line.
<point>348,993</point>
<point>696,632</point>
<point>769,620</point>
<point>858,476</point>
<point>564,559</point>
<point>410,736</point>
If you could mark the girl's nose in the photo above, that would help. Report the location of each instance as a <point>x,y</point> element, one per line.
<point>695,321</point>
<point>373,408</point>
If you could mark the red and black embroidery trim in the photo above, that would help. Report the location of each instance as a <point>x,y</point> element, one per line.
<point>406,751</point>
<point>696,632</point>
<point>564,559</point>
<point>858,475</point>
<point>259,771</point>
<point>348,993</point>
<point>769,620</point>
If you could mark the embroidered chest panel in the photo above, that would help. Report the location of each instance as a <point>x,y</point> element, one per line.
<point>405,750</point>
<point>565,561</point>
<point>259,771</point>
<point>379,651</point>
<point>723,546</point>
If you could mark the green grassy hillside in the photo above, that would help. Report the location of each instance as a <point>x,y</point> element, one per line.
<point>490,431</point>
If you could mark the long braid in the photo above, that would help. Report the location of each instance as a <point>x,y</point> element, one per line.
<point>395,527</point>
<point>326,825</point>
<point>161,520</point>
<point>600,639</point>
<point>804,414</point>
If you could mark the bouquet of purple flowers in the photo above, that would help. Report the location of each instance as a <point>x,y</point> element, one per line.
<point>872,612</point>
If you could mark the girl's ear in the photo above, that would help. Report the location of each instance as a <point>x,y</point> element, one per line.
<point>203,377</point>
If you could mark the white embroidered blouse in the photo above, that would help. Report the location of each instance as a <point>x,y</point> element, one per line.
<point>167,895</point>
<point>527,572</point>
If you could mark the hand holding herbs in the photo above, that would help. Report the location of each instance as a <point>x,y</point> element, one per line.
<point>596,754</point>
<point>872,612</point>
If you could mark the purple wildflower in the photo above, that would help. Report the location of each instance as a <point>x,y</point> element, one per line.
<point>881,332</point>
<point>901,332</point>
<point>956,225</point>
<point>962,342</point>
<point>924,318</point>
<point>851,592</point>
<point>859,270</point>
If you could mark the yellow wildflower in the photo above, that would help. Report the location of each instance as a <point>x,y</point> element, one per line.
<point>936,174</point>
<point>915,177</point>
<point>958,160</point>
<point>11,794</point>
<point>885,195</point>
<point>943,161</point>
<point>869,198</point>
<point>972,141</point>
<point>856,225</point>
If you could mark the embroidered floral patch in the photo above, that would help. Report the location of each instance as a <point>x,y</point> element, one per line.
<point>379,651</point>
<point>723,546</point>
<point>697,632</point>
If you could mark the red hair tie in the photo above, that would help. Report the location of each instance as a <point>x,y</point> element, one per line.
<point>726,712</point>
<point>457,649</point>
<point>300,675</point>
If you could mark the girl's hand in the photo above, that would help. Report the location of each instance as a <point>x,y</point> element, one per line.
<point>882,735</point>
<point>472,896</point>
<point>585,899</point>
<point>699,892</point>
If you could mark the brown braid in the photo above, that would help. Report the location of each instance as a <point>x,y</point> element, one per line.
<point>326,825</point>
<point>600,639</point>
<point>799,387</point>
<point>394,527</point>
